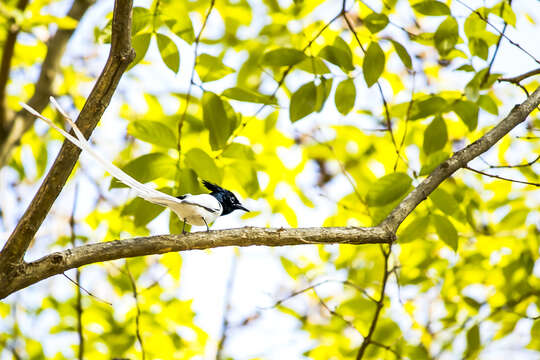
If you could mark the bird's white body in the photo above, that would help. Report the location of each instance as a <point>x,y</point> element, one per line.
<point>199,210</point>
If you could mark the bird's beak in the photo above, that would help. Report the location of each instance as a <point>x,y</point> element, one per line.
<point>240,207</point>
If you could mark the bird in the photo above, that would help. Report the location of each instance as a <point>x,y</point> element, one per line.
<point>198,210</point>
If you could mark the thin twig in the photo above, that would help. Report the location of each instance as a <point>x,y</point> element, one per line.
<point>483,18</point>
<point>497,46</point>
<point>138,315</point>
<point>520,78</point>
<point>86,291</point>
<point>335,313</point>
<point>513,166</point>
<point>380,304</point>
<point>227,308</point>
<point>78,304</point>
<point>502,178</point>
<point>192,77</point>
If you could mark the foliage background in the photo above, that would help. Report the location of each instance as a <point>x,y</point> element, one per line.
<point>462,280</point>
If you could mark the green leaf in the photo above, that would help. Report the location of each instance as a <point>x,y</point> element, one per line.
<point>239,151</point>
<point>444,201</point>
<point>473,341</point>
<point>337,57</point>
<point>140,44</point>
<point>241,94</point>
<point>478,47</point>
<point>375,22</point>
<point>323,90</point>
<point>313,65</point>
<point>283,57</point>
<point>388,188</point>
<point>210,68</point>
<point>403,54</point>
<point>303,102</point>
<point>142,211</point>
<point>345,96</point>
<point>215,120</point>
<point>445,230</point>
<point>435,136</point>
<point>468,112</point>
<point>148,167</point>
<point>169,52</point>
<point>181,26</point>
<point>415,230</point>
<point>431,8</point>
<point>373,65</point>
<point>291,268</point>
<point>446,36</point>
<point>488,104</point>
<point>141,19</point>
<point>432,162</point>
<point>504,11</point>
<point>153,132</point>
<point>427,107</point>
<point>205,167</point>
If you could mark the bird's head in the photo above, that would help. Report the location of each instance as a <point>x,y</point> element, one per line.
<point>227,199</point>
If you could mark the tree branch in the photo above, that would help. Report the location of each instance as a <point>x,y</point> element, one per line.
<point>459,160</point>
<point>58,262</point>
<point>121,54</point>
<point>16,126</point>
<point>5,65</point>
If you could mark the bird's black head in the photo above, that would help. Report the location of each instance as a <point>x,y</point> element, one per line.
<point>227,199</point>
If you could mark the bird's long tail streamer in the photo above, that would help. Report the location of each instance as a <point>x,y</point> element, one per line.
<point>142,190</point>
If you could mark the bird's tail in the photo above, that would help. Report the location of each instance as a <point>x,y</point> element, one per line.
<point>142,190</point>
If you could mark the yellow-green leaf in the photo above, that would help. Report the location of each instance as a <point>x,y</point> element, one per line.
<point>373,65</point>
<point>169,52</point>
<point>303,101</point>
<point>435,135</point>
<point>345,96</point>
<point>388,188</point>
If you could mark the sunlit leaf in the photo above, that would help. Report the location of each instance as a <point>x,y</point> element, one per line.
<point>446,36</point>
<point>467,111</point>
<point>169,52</point>
<point>373,65</point>
<point>388,188</point>
<point>241,94</point>
<point>148,167</point>
<point>303,102</point>
<point>345,96</point>
<point>210,68</point>
<point>153,132</point>
<point>375,22</point>
<point>200,162</point>
<point>283,57</point>
<point>403,54</point>
<point>432,8</point>
<point>337,57</point>
<point>215,120</point>
<point>445,230</point>
<point>435,135</point>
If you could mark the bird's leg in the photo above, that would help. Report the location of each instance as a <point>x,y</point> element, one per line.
<point>184,228</point>
<point>205,223</point>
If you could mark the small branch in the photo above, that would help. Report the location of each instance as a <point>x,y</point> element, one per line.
<point>520,78</point>
<point>226,308</point>
<point>380,305</point>
<point>78,285</point>
<point>191,81</point>
<point>121,54</point>
<point>514,166</point>
<point>138,316</point>
<point>500,177</point>
<point>386,347</point>
<point>459,160</point>
<point>58,262</point>
<point>497,46</point>
<point>498,31</point>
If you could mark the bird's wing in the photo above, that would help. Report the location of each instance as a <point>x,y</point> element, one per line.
<point>204,201</point>
<point>142,190</point>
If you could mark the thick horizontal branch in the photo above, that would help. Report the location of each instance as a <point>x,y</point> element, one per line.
<point>120,56</point>
<point>58,262</point>
<point>459,160</point>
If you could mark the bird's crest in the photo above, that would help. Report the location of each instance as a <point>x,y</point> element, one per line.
<point>212,187</point>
